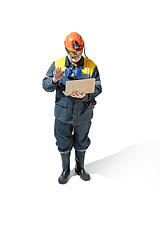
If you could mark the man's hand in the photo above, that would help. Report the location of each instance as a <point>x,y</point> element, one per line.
<point>78,95</point>
<point>58,74</point>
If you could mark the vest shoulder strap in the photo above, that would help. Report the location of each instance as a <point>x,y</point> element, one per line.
<point>89,66</point>
<point>60,63</point>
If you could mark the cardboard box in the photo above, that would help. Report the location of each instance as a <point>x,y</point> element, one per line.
<point>81,86</point>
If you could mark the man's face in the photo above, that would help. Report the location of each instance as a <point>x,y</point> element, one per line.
<point>74,56</point>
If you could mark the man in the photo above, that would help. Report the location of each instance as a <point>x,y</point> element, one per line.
<point>73,113</point>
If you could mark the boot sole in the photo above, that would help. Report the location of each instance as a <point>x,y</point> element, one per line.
<point>62,181</point>
<point>81,176</point>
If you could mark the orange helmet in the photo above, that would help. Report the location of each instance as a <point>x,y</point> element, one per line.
<point>74,42</point>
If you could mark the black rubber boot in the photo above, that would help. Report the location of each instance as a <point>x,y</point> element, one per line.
<point>63,178</point>
<point>79,155</point>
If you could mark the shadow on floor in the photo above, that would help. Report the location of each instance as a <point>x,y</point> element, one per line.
<point>139,161</point>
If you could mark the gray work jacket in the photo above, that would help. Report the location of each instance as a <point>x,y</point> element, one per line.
<point>69,109</point>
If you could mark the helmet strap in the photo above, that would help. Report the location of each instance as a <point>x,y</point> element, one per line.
<point>85,52</point>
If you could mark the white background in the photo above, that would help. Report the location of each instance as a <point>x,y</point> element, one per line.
<point>122,199</point>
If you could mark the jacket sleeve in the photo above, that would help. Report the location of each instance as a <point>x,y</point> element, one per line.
<point>47,83</point>
<point>98,87</point>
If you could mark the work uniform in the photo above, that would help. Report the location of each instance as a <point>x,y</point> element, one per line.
<point>72,115</point>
